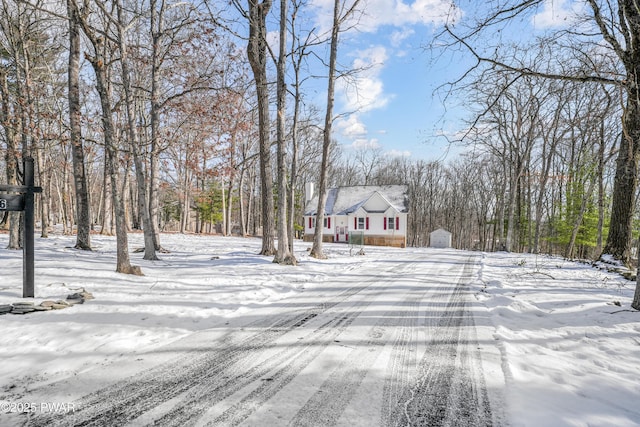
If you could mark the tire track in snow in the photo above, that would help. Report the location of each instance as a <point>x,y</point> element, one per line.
<point>402,365</point>
<point>448,388</point>
<point>327,405</point>
<point>254,400</point>
<point>236,375</point>
<point>125,401</point>
<point>292,361</point>
<point>272,375</point>
<point>212,374</point>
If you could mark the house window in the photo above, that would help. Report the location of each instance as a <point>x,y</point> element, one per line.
<point>391,223</point>
<point>327,222</point>
<point>361,223</point>
<point>312,222</point>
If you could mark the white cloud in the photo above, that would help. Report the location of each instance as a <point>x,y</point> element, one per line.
<point>402,13</point>
<point>397,37</point>
<point>364,90</point>
<point>398,153</point>
<point>375,13</point>
<point>352,127</point>
<point>557,13</point>
<point>363,143</point>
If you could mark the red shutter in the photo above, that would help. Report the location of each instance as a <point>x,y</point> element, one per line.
<point>355,223</point>
<point>310,223</point>
<point>367,223</point>
<point>397,223</point>
<point>329,223</point>
<point>385,222</point>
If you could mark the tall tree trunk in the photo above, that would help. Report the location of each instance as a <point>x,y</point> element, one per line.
<point>11,159</point>
<point>626,179</point>
<point>225,219</point>
<point>316,248</point>
<point>601,196</point>
<point>511,212</point>
<point>257,55</point>
<point>229,205</point>
<point>297,65</point>
<point>134,143</point>
<point>619,239</point>
<point>83,217</point>
<point>44,197</point>
<point>284,255</point>
<point>624,186</point>
<point>123,264</point>
<point>243,222</point>
<point>107,214</point>
<point>291,220</point>
<point>157,28</point>
<point>636,296</point>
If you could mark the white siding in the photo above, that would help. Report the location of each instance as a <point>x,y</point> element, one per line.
<point>440,238</point>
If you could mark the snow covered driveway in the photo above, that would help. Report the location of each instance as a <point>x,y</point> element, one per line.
<point>394,344</point>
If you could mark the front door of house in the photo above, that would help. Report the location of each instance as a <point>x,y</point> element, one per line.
<point>342,234</point>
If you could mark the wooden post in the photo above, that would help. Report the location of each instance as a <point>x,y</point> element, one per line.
<point>19,198</point>
<point>28,285</point>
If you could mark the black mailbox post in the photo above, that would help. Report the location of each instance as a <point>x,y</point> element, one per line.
<point>19,198</point>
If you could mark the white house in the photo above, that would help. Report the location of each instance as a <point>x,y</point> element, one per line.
<point>378,212</point>
<point>440,238</point>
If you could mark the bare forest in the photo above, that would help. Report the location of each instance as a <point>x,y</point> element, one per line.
<point>164,116</point>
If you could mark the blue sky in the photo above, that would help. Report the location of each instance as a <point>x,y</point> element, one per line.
<point>393,104</point>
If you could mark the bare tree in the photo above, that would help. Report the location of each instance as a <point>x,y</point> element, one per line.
<point>284,254</point>
<point>132,132</point>
<point>101,45</point>
<point>369,158</point>
<point>18,31</point>
<point>257,55</point>
<point>83,236</point>
<point>301,42</point>
<point>512,120</point>
<point>340,14</point>
<point>614,25</point>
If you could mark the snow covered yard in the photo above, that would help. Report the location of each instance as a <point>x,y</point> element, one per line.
<point>198,285</point>
<point>568,353</point>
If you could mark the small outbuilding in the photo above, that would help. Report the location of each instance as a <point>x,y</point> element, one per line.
<point>440,238</point>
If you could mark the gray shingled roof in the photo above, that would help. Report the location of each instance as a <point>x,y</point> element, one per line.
<point>344,200</point>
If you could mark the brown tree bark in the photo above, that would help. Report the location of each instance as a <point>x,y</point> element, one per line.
<point>284,254</point>
<point>134,143</point>
<point>624,185</point>
<point>83,218</point>
<point>619,239</point>
<point>316,249</point>
<point>100,66</point>
<point>257,55</point>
